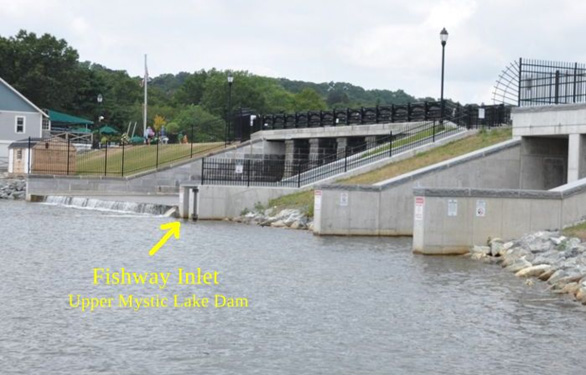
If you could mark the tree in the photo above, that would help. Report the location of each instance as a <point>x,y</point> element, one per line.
<point>308,100</point>
<point>158,122</point>
<point>205,126</point>
<point>44,69</point>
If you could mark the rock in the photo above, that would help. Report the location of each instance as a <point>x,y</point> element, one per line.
<point>496,247</point>
<point>518,265</point>
<point>547,274</point>
<point>570,288</point>
<point>533,271</point>
<point>278,224</point>
<point>557,240</point>
<point>485,250</point>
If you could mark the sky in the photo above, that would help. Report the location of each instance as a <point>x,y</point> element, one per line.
<point>376,44</point>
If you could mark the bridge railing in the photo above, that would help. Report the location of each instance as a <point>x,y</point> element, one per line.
<point>469,116</point>
<point>302,171</point>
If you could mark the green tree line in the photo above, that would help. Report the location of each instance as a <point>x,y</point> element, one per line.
<point>48,72</point>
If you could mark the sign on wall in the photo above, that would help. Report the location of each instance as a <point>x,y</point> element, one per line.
<point>452,207</point>
<point>317,200</point>
<point>480,208</point>
<point>344,199</point>
<point>419,205</point>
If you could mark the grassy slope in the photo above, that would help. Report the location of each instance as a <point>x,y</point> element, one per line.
<point>578,230</point>
<point>304,200</point>
<point>138,158</point>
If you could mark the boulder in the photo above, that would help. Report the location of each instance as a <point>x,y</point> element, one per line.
<point>518,265</point>
<point>533,271</point>
<point>278,224</point>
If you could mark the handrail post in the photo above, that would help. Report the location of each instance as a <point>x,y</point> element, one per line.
<point>248,162</point>
<point>391,144</point>
<point>298,173</point>
<point>157,159</point>
<point>68,147</point>
<point>346,158</point>
<point>433,138</point>
<point>106,160</point>
<point>203,163</point>
<point>122,166</point>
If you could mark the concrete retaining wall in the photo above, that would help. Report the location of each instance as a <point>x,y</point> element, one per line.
<point>218,202</point>
<point>387,208</point>
<point>450,221</point>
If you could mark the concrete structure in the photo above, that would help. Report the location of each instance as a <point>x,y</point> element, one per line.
<point>552,153</point>
<point>19,118</point>
<point>387,207</point>
<point>449,221</point>
<point>214,202</point>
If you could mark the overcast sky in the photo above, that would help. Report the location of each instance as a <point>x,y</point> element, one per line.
<point>382,44</point>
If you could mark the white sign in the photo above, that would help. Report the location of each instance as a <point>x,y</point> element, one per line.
<point>452,207</point>
<point>480,208</point>
<point>317,200</point>
<point>239,169</point>
<point>419,205</point>
<point>344,199</point>
<point>481,113</point>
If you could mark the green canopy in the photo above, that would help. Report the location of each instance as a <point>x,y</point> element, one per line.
<point>65,119</point>
<point>81,130</point>
<point>137,139</point>
<point>108,130</point>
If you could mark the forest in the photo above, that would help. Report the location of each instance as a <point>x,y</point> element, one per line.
<point>47,70</point>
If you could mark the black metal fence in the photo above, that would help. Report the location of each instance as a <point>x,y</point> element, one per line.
<point>56,156</point>
<point>302,171</point>
<point>245,123</point>
<point>548,82</point>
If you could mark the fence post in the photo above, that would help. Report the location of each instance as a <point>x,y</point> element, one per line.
<point>298,173</point>
<point>29,156</point>
<point>346,158</point>
<point>68,145</point>
<point>191,152</point>
<point>203,163</point>
<point>122,167</point>
<point>390,144</point>
<point>157,159</point>
<point>433,138</point>
<point>106,160</point>
<point>248,182</point>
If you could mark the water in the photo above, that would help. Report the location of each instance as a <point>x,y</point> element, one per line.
<point>316,305</point>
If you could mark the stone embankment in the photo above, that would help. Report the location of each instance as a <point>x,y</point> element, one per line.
<point>12,188</point>
<point>288,218</point>
<point>548,256</point>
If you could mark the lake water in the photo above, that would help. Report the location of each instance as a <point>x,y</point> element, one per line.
<point>315,305</point>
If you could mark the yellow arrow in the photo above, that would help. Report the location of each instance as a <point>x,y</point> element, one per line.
<point>173,228</point>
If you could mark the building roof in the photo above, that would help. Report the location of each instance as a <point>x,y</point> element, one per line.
<point>15,101</point>
<point>63,118</point>
<point>24,143</point>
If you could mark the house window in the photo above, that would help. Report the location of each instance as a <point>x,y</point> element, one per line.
<point>46,124</point>
<point>20,124</point>
<point>18,154</point>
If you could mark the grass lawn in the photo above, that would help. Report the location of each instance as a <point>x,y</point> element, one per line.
<point>578,230</point>
<point>304,200</point>
<point>436,155</point>
<point>138,158</point>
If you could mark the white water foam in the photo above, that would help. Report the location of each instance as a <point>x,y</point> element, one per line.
<point>110,206</point>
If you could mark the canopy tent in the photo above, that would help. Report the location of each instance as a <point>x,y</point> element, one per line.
<point>63,119</point>
<point>81,130</point>
<point>137,139</point>
<point>108,130</point>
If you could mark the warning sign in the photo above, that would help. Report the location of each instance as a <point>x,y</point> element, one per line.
<point>452,207</point>
<point>480,208</point>
<point>344,199</point>
<point>419,205</point>
<point>317,200</point>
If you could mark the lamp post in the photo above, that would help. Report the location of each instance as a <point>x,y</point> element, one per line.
<point>99,99</point>
<point>229,118</point>
<point>444,39</point>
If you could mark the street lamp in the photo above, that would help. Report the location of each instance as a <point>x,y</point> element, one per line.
<point>444,39</point>
<point>229,119</point>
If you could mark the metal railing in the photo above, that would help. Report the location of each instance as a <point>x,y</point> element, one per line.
<point>63,156</point>
<point>300,172</point>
